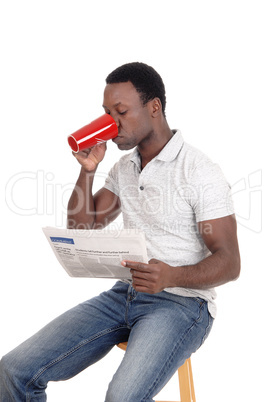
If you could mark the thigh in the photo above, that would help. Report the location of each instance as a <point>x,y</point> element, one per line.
<point>161,339</point>
<point>71,342</point>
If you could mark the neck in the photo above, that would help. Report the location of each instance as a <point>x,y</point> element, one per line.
<point>152,146</point>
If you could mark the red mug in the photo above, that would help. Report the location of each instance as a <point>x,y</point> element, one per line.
<point>99,130</point>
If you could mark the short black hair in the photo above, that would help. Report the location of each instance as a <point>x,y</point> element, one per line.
<point>144,78</point>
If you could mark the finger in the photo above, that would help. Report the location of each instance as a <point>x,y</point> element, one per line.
<point>142,275</point>
<point>153,261</point>
<point>101,145</point>
<point>140,285</point>
<point>143,288</point>
<point>81,154</point>
<point>139,266</point>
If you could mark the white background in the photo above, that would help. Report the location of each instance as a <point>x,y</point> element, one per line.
<point>55,56</point>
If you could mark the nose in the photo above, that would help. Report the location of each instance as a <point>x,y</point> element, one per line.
<point>116,119</point>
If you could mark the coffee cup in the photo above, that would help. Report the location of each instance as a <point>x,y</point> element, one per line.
<point>100,130</point>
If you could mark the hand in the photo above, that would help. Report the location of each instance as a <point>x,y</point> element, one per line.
<point>91,157</point>
<point>151,278</point>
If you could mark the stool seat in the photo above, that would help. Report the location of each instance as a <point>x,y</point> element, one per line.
<point>185,376</point>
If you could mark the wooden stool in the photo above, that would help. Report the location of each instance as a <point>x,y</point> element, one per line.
<point>185,376</point>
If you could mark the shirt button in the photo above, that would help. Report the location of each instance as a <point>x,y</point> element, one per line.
<point>141,187</point>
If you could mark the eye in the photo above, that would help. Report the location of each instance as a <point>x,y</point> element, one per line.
<point>106,110</point>
<point>123,113</point>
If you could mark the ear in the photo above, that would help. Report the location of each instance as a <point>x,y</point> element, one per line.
<point>156,107</point>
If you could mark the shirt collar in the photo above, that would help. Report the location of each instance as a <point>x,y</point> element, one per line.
<point>168,153</point>
<point>172,148</point>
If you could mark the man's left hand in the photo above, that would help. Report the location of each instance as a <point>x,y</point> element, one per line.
<point>151,278</point>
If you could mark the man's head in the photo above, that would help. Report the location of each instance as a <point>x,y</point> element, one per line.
<point>147,82</point>
<point>135,97</point>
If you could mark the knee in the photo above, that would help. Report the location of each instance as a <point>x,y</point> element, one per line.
<point>7,370</point>
<point>11,386</point>
<point>10,371</point>
<point>5,367</point>
<point>5,376</point>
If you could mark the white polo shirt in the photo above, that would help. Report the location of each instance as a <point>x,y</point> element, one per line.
<point>178,188</point>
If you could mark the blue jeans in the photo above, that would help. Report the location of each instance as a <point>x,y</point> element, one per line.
<point>162,331</point>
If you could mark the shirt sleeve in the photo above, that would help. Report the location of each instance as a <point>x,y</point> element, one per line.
<point>210,193</point>
<point>111,182</point>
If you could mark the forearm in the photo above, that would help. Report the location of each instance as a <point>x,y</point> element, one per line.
<point>81,206</point>
<point>156,276</point>
<point>215,270</point>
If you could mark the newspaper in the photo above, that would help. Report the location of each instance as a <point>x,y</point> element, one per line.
<point>96,253</point>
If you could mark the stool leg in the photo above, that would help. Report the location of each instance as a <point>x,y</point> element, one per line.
<point>187,391</point>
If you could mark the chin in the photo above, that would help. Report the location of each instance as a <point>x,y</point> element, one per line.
<point>125,147</point>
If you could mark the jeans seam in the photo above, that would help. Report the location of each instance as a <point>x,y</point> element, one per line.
<point>67,354</point>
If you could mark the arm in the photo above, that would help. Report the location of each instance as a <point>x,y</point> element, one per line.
<point>222,266</point>
<point>85,210</point>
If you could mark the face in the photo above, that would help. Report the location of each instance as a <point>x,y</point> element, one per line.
<point>133,119</point>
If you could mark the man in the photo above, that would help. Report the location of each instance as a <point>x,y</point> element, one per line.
<point>181,200</point>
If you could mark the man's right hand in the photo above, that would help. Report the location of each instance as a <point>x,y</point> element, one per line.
<point>91,157</point>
